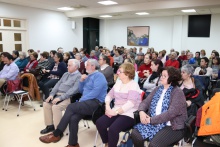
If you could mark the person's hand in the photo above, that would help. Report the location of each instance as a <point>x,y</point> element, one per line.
<point>44,70</point>
<point>188,103</point>
<point>27,70</point>
<point>56,100</point>
<point>83,77</point>
<point>144,118</point>
<point>47,71</point>
<point>49,98</point>
<point>110,113</point>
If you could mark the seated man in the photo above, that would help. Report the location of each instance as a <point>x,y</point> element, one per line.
<point>93,88</point>
<point>190,60</point>
<point>10,70</point>
<point>59,97</point>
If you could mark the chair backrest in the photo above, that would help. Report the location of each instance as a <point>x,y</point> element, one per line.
<point>204,80</point>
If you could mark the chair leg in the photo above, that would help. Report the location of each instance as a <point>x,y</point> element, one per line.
<point>8,99</point>
<point>20,101</point>
<point>4,105</point>
<point>96,137</point>
<point>30,101</point>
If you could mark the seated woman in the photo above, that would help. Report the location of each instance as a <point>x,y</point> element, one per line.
<point>54,75</point>
<point>82,68</point>
<point>215,67</point>
<point>190,83</point>
<point>126,93</point>
<point>106,69</point>
<point>162,114</point>
<point>32,63</point>
<point>129,60</point>
<point>66,57</point>
<point>153,79</point>
<point>15,55</point>
<point>22,62</point>
<point>203,69</point>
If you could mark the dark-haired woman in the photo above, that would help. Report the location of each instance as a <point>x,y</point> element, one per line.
<point>54,75</point>
<point>153,80</point>
<point>162,113</point>
<point>203,69</point>
<point>106,69</point>
<point>15,55</point>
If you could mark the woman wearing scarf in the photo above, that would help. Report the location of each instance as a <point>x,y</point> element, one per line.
<point>32,63</point>
<point>163,123</point>
<point>153,80</point>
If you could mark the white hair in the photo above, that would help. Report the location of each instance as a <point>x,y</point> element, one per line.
<point>75,62</point>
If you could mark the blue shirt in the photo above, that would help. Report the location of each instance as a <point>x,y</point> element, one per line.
<point>9,72</point>
<point>93,87</point>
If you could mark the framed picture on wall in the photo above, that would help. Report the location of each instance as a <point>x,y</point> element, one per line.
<point>138,36</point>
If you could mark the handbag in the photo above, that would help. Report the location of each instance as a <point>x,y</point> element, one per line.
<point>128,142</point>
<point>13,85</point>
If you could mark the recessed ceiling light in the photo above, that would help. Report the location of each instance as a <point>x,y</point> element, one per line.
<point>188,10</point>
<point>107,2</point>
<point>142,13</point>
<point>65,8</point>
<point>105,16</point>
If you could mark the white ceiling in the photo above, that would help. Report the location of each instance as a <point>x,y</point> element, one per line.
<point>125,8</point>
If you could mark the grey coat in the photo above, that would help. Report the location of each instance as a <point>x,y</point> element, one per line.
<point>176,113</point>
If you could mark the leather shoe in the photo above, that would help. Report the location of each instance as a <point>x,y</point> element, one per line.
<point>73,145</point>
<point>47,129</point>
<point>49,138</point>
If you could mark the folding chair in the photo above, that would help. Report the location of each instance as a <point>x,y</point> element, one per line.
<point>18,94</point>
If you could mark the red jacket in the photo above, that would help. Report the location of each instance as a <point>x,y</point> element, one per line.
<point>173,63</point>
<point>142,68</point>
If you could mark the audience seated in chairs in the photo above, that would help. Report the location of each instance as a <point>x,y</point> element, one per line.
<point>93,88</point>
<point>32,63</point>
<point>60,95</point>
<point>55,74</point>
<point>154,79</point>
<point>43,63</point>
<point>118,60</point>
<point>126,93</point>
<point>162,114</point>
<point>106,69</point>
<point>15,55</point>
<point>22,62</point>
<point>192,89</point>
<point>66,57</point>
<point>203,70</point>
<point>10,70</point>
<point>190,60</point>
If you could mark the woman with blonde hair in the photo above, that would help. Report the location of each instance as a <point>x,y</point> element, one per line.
<point>126,93</point>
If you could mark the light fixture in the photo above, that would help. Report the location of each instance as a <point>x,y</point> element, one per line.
<point>65,8</point>
<point>107,2</point>
<point>188,10</point>
<point>105,16</point>
<point>142,13</point>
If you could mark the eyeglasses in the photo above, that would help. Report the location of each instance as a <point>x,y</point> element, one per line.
<point>100,59</point>
<point>118,72</point>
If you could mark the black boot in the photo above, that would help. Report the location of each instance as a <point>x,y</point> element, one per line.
<point>47,129</point>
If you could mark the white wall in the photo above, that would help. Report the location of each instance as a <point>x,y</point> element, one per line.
<point>165,33</point>
<point>47,30</point>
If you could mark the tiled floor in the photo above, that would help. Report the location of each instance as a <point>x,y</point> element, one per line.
<point>23,131</point>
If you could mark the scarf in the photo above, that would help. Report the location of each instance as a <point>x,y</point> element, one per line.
<point>153,76</point>
<point>31,63</point>
<point>149,130</point>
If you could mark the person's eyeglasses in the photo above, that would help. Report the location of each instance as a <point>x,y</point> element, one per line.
<point>100,59</point>
<point>118,72</point>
